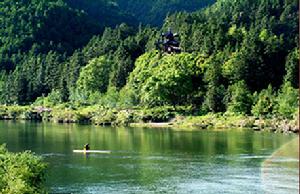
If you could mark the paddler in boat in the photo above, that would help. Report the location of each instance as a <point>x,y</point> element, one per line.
<point>86,147</point>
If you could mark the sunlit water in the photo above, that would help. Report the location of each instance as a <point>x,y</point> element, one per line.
<point>157,160</point>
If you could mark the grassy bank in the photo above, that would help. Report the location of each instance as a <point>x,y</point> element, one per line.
<point>179,117</point>
<point>97,115</point>
<point>218,121</point>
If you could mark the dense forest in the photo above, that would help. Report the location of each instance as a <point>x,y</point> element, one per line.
<point>133,12</point>
<point>153,12</point>
<point>238,56</point>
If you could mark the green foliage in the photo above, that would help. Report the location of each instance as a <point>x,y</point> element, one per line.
<point>154,12</point>
<point>239,98</point>
<point>105,117</point>
<point>127,97</point>
<point>110,14</point>
<point>28,24</point>
<point>21,173</point>
<point>287,101</point>
<point>61,114</point>
<point>12,112</point>
<point>53,98</point>
<point>19,113</point>
<point>157,114</point>
<point>124,117</point>
<point>85,114</point>
<point>231,49</point>
<point>264,103</point>
<point>110,99</point>
<point>292,68</point>
<point>214,99</point>
<point>94,76</point>
<point>164,81</point>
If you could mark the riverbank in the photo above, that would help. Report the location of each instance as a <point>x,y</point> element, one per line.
<point>213,121</point>
<point>160,117</point>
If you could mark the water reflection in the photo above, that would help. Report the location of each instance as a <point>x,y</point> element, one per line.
<point>147,160</point>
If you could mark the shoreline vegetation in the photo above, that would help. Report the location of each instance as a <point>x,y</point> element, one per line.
<point>159,117</point>
<point>234,61</point>
<point>21,172</point>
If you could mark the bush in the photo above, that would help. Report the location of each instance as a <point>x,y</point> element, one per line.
<point>239,98</point>
<point>21,173</point>
<point>105,117</point>
<point>287,101</point>
<point>264,103</point>
<point>94,98</point>
<point>64,115</point>
<point>84,115</point>
<point>292,68</point>
<point>13,112</point>
<point>127,98</point>
<point>166,80</point>
<point>216,88</point>
<point>157,114</point>
<point>3,112</point>
<point>124,117</point>
<point>51,100</point>
<point>110,98</point>
<point>214,99</point>
<point>94,76</point>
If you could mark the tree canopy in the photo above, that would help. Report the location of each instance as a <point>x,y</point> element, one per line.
<point>236,54</point>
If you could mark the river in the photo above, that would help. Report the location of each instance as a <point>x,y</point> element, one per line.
<point>157,160</point>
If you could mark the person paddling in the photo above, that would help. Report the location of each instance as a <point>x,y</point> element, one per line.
<point>86,147</point>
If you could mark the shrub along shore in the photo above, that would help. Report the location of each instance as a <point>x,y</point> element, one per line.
<point>179,117</point>
<point>21,172</point>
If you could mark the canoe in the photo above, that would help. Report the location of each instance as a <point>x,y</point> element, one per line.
<point>92,151</point>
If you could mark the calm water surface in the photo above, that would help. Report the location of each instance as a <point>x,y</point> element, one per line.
<point>157,160</point>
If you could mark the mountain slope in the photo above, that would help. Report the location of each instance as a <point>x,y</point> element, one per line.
<point>106,12</point>
<point>46,25</point>
<point>155,11</point>
<point>242,51</point>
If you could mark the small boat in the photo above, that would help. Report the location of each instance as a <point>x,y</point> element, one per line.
<point>93,151</point>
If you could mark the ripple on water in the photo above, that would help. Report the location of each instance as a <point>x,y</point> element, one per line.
<point>53,155</point>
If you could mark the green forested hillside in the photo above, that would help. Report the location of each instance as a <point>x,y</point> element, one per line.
<point>154,11</point>
<point>35,38</point>
<point>42,25</point>
<point>238,56</point>
<point>106,12</point>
